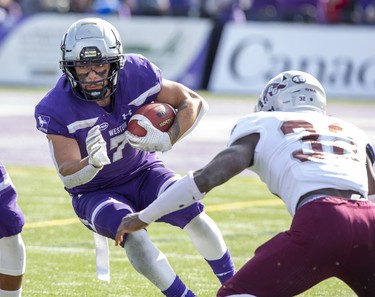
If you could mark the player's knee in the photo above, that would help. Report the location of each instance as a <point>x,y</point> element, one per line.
<point>137,240</point>
<point>12,255</point>
<point>202,225</point>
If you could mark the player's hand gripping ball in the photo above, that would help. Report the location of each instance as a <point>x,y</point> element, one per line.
<point>147,128</point>
<point>160,115</point>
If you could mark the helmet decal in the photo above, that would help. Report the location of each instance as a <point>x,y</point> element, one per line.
<point>274,89</point>
<point>90,53</point>
<point>299,79</point>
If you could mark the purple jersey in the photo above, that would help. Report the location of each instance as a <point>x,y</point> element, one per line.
<point>118,188</point>
<point>11,217</point>
<point>60,112</point>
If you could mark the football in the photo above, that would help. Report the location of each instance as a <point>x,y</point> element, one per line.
<point>161,116</point>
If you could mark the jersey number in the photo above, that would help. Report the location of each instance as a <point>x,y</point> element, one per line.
<point>315,146</point>
<point>118,142</point>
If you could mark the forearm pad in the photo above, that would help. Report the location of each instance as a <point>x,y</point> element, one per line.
<point>80,177</point>
<point>181,194</point>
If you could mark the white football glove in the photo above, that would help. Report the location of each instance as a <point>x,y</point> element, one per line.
<point>154,140</point>
<point>96,148</point>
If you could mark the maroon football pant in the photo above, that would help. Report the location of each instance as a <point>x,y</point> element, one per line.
<point>329,237</point>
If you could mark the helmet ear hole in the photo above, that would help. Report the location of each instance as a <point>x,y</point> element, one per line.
<point>92,41</point>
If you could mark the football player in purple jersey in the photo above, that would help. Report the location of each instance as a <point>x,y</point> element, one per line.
<point>110,173</point>
<point>322,169</point>
<point>12,248</point>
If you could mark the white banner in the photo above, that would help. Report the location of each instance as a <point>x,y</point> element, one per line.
<point>30,54</point>
<point>341,57</point>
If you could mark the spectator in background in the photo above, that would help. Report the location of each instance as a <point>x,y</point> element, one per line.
<point>365,12</point>
<point>151,7</point>
<point>60,6</point>
<point>10,12</point>
<point>125,8</point>
<point>262,10</point>
<point>35,6</point>
<point>102,7</point>
<point>303,11</point>
<point>105,6</point>
<point>183,8</point>
<point>222,11</point>
<point>80,6</point>
<point>336,11</point>
<point>31,6</point>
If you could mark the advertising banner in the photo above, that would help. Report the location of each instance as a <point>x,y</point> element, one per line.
<point>342,57</point>
<point>30,53</point>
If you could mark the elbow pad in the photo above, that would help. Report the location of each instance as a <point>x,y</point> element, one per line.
<point>78,178</point>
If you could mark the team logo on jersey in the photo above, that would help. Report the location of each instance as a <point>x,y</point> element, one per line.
<point>125,115</point>
<point>103,126</point>
<point>43,122</point>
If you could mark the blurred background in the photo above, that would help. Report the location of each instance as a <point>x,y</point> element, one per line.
<point>225,49</point>
<point>222,46</point>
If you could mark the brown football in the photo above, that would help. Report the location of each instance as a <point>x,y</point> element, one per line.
<point>161,115</point>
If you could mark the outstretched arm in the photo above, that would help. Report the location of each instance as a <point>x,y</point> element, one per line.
<point>194,186</point>
<point>227,164</point>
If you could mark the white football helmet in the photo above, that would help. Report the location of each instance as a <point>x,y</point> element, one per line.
<point>92,41</point>
<point>292,91</point>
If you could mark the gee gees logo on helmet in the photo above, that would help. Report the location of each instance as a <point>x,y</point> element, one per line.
<point>270,90</point>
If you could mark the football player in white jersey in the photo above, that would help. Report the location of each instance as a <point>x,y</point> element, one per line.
<point>322,169</point>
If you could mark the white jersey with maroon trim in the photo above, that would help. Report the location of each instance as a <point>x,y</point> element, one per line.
<point>299,152</point>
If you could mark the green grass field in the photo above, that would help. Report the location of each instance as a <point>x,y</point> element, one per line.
<point>61,252</point>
